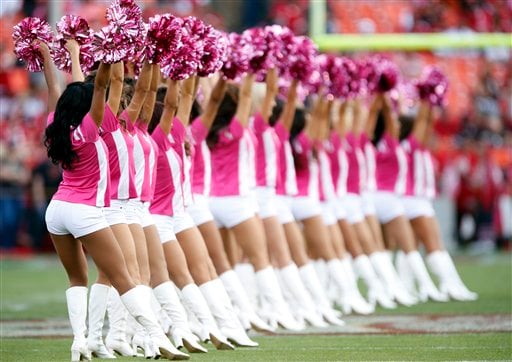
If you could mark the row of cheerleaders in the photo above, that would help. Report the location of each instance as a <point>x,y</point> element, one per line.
<point>228,182</point>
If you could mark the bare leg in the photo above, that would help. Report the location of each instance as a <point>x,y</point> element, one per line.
<point>400,230</point>
<point>276,242</point>
<point>233,250</point>
<point>157,264</point>
<point>177,264</point>
<point>296,243</point>
<point>141,250</point>
<point>426,230</point>
<point>376,231</point>
<point>350,237</point>
<point>337,240</point>
<point>318,238</point>
<point>198,260</point>
<point>365,237</point>
<point>73,259</point>
<point>251,238</point>
<point>127,244</point>
<point>215,246</point>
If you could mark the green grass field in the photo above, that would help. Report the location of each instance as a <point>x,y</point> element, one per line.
<point>34,290</point>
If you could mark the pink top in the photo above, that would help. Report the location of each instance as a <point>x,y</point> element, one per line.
<point>145,154</point>
<point>356,164</point>
<point>326,189</point>
<point>415,180</point>
<point>168,197</point>
<point>120,145</point>
<point>391,165</point>
<point>201,169</point>
<point>306,166</point>
<point>286,182</point>
<point>88,181</point>
<point>177,136</point>
<point>339,163</point>
<point>267,161</point>
<point>252,145</point>
<point>369,155</point>
<point>430,174</point>
<point>231,164</point>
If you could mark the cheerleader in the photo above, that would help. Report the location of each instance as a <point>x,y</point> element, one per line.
<point>230,202</point>
<point>75,213</point>
<point>420,188</point>
<point>391,172</point>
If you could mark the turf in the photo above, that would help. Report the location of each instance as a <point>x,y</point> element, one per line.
<point>34,289</point>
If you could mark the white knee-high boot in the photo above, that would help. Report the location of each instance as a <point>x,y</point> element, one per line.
<point>314,286</point>
<point>76,298</point>
<point>117,316</point>
<point>224,314</point>
<point>181,334</point>
<point>426,287</point>
<point>137,301</point>
<point>404,272</point>
<point>195,302</point>
<point>245,310</point>
<point>292,285</point>
<point>245,273</point>
<point>376,291</point>
<point>98,299</point>
<point>441,264</point>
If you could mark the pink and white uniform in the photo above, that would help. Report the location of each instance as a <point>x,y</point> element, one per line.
<point>326,189</point>
<point>430,175</point>
<point>338,163</point>
<point>85,188</point>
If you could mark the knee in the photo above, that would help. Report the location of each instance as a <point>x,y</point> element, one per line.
<point>78,279</point>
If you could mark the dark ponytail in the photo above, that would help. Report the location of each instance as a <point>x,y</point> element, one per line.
<point>227,111</point>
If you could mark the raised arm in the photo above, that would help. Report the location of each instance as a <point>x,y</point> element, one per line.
<point>270,94</point>
<point>206,84</point>
<point>371,120</point>
<point>100,89</point>
<point>289,108</point>
<point>188,93</point>
<point>312,127</point>
<point>419,128</point>
<point>213,103</point>
<point>74,52</point>
<point>344,118</point>
<point>50,77</point>
<point>116,87</point>
<point>170,105</point>
<point>149,103</point>
<point>142,88</point>
<point>243,108</point>
<point>390,122</point>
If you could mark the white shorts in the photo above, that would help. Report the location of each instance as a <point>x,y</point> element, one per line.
<point>229,211</point>
<point>284,209</point>
<point>134,211</point>
<point>165,226</point>
<point>354,206</point>
<point>368,205</point>
<point>253,197</point>
<point>116,212</point>
<point>182,221</point>
<point>266,197</point>
<point>417,206</point>
<point>387,205</point>
<point>305,207</point>
<point>199,210</point>
<point>63,218</point>
<point>328,214</point>
<point>146,217</point>
<point>339,209</point>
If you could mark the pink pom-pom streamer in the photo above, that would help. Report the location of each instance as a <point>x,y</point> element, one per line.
<point>238,55</point>
<point>214,52</point>
<point>24,34</point>
<point>301,58</point>
<point>432,86</point>
<point>76,28</point>
<point>163,36</point>
<point>388,75</point>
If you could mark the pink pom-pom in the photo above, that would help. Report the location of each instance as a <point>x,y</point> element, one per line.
<point>388,75</point>
<point>432,86</point>
<point>368,75</point>
<point>24,34</point>
<point>238,55</point>
<point>214,52</point>
<point>267,48</point>
<point>76,28</point>
<point>301,58</point>
<point>163,36</point>
<point>108,45</point>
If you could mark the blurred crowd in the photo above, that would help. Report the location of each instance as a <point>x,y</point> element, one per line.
<point>473,140</point>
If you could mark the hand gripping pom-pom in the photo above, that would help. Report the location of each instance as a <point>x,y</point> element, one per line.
<point>388,75</point>
<point>24,34</point>
<point>237,57</point>
<point>432,86</point>
<point>76,28</point>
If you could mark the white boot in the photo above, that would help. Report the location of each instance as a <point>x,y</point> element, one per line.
<point>332,291</point>
<point>351,300</point>
<point>76,298</point>
<point>224,314</point>
<point>272,299</point>
<point>246,275</point>
<point>441,264</point>
<point>195,302</point>
<point>426,287</point>
<point>376,291</point>
<point>293,285</point>
<point>180,331</point>
<point>117,316</point>
<point>404,272</point>
<point>98,299</point>
<point>136,302</point>
<point>313,285</point>
<point>394,286</point>
<point>238,296</point>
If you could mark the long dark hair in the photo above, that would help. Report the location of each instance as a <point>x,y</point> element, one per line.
<point>299,122</point>
<point>195,111</point>
<point>276,112</point>
<point>406,125</point>
<point>227,111</point>
<point>72,106</point>
<point>380,128</point>
<point>155,117</point>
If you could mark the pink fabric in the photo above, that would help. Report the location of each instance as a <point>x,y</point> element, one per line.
<point>306,166</point>
<point>338,162</point>
<point>178,137</point>
<point>286,182</point>
<point>168,196</point>
<point>88,181</point>
<point>267,160</point>
<point>231,163</point>
<point>120,145</point>
<point>391,164</point>
<point>370,159</point>
<point>201,169</point>
<point>326,188</point>
<point>356,164</point>
<point>430,175</point>
<point>415,180</point>
<point>145,154</point>
<point>251,144</point>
